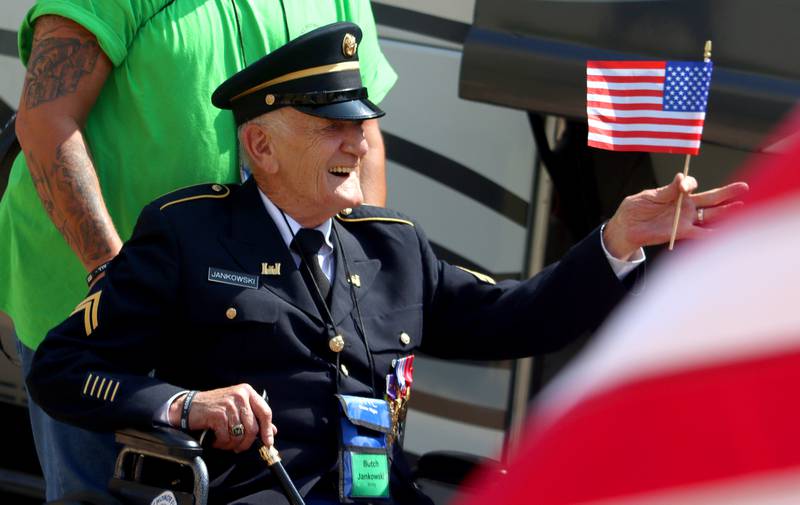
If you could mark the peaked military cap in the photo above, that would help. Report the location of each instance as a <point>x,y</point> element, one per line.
<point>316,73</point>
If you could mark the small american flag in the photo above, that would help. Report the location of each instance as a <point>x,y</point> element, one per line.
<point>651,106</point>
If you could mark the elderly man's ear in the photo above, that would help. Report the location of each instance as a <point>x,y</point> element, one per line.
<point>258,142</point>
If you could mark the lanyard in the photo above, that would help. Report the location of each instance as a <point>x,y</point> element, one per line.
<point>325,313</point>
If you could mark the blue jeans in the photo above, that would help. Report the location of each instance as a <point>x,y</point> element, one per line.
<point>73,460</point>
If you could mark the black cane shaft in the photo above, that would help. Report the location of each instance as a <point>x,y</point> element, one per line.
<point>272,458</point>
<point>286,484</point>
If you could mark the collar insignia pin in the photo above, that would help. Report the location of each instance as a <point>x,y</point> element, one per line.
<point>355,280</point>
<point>268,269</point>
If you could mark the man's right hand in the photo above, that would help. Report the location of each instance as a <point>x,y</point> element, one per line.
<point>221,409</point>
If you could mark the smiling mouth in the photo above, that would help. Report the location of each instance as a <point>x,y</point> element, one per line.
<point>341,171</point>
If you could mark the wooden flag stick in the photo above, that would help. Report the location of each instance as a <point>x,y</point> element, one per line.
<point>678,205</point>
<point>706,57</point>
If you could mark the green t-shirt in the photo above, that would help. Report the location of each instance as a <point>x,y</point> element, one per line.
<point>153,128</point>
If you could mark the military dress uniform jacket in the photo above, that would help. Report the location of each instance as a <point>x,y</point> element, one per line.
<point>157,310</point>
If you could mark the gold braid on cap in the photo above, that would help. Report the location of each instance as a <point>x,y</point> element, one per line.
<point>299,74</point>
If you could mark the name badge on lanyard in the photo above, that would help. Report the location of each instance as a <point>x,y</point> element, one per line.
<point>363,448</point>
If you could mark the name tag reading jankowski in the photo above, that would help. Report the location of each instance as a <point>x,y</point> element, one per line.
<point>370,475</point>
<point>233,278</point>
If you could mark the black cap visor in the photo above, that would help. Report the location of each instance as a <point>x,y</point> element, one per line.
<point>350,110</point>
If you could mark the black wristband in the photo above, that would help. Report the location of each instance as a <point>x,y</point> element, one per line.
<point>187,404</point>
<point>97,271</point>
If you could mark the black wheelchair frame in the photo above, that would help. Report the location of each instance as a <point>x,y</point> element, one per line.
<point>441,474</point>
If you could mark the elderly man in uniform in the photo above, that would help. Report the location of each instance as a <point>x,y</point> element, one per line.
<point>286,284</point>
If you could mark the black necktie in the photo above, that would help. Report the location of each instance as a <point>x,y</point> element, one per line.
<point>306,243</point>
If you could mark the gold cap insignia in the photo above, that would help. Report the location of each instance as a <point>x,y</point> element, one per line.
<point>349,45</point>
<point>269,99</point>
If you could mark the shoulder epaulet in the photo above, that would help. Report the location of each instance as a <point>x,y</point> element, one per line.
<point>193,193</point>
<point>369,213</point>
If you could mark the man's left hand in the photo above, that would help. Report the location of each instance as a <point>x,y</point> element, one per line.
<point>646,218</point>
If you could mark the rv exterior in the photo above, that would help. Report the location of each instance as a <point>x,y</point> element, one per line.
<point>481,85</point>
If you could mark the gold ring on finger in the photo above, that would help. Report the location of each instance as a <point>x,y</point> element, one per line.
<point>237,430</point>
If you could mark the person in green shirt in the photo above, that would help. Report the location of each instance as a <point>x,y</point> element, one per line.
<point>115,111</point>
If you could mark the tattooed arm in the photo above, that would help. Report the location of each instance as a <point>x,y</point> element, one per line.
<point>66,71</point>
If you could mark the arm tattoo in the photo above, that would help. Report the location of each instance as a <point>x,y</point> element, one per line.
<point>42,185</point>
<point>83,205</point>
<point>79,217</point>
<point>56,66</point>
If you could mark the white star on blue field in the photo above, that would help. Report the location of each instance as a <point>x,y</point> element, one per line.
<point>686,86</point>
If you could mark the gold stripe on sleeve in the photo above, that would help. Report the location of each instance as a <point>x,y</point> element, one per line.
<point>95,306</point>
<point>114,394</point>
<point>108,388</point>
<point>100,389</point>
<point>89,308</point>
<point>86,385</point>
<point>94,384</point>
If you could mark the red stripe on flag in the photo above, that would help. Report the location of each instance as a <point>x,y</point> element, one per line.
<point>660,433</point>
<point>624,92</point>
<point>645,147</point>
<point>626,79</point>
<point>646,133</point>
<point>625,106</point>
<point>650,120</point>
<point>604,64</point>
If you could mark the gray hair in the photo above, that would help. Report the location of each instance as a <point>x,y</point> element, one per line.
<point>244,158</point>
<point>273,122</point>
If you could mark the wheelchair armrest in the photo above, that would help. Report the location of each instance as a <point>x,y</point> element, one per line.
<point>452,467</point>
<point>132,483</point>
<point>161,441</point>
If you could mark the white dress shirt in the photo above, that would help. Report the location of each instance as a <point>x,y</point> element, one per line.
<point>325,254</point>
